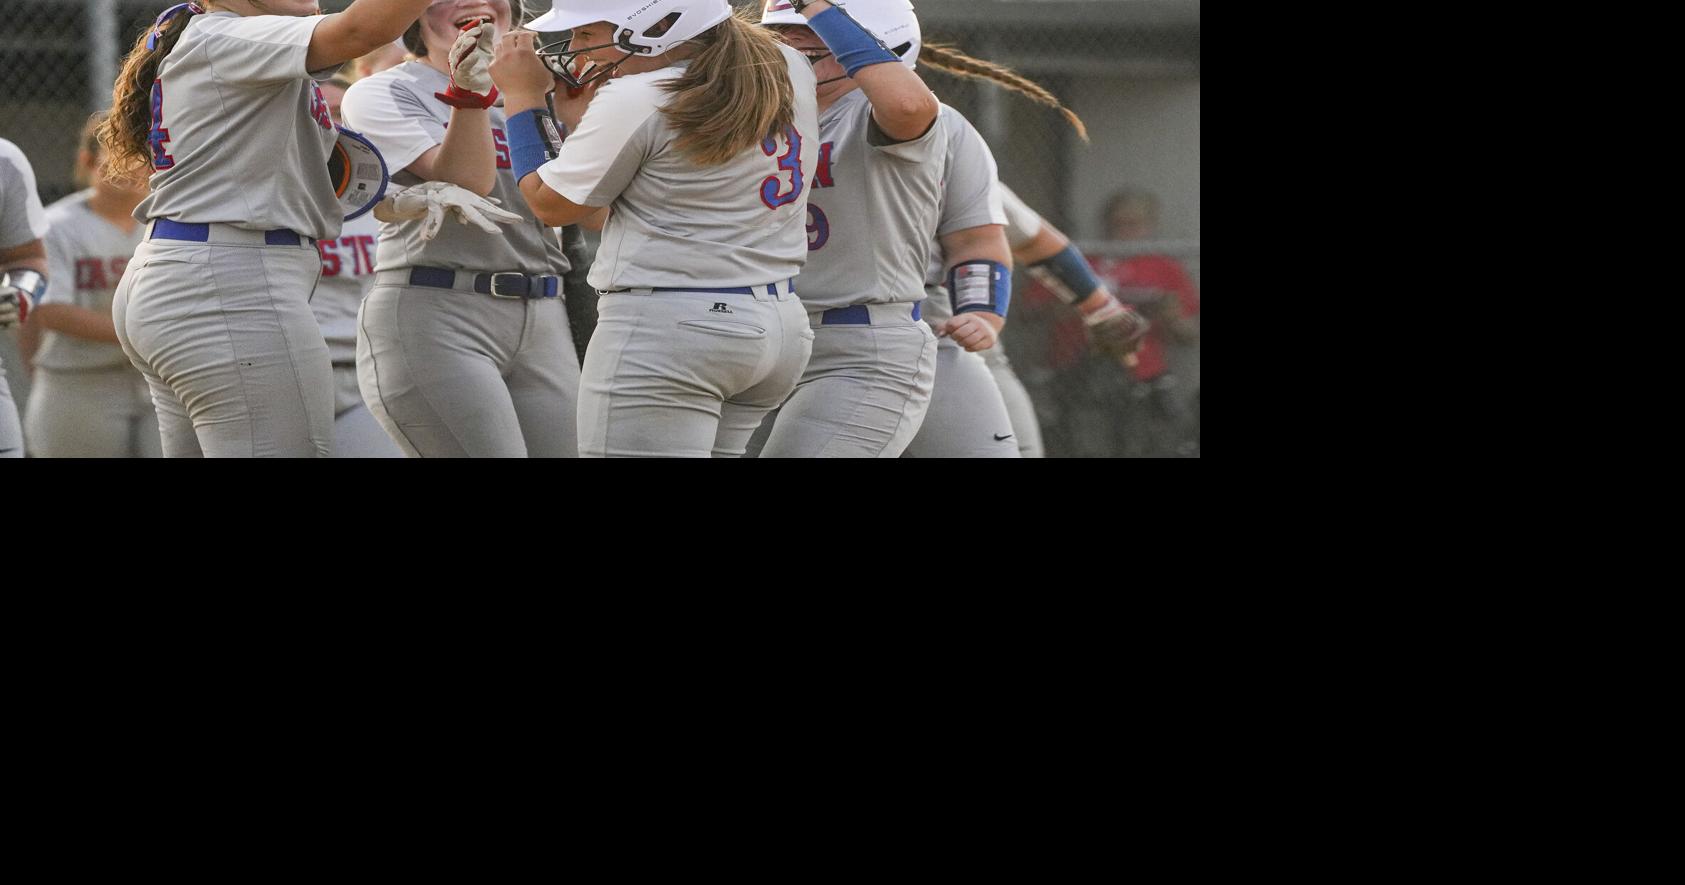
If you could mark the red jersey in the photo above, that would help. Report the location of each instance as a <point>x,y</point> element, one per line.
<point>1127,278</point>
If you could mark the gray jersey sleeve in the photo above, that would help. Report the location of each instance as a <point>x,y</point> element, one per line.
<point>1022,222</point>
<point>258,50</point>
<point>598,162</point>
<point>395,118</point>
<point>21,217</point>
<point>968,191</point>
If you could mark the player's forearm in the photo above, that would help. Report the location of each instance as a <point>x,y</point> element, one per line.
<point>468,157</point>
<point>26,256</point>
<point>902,104</point>
<point>595,220</point>
<point>1048,242</point>
<point>362,28</point>
<point>550,207</point>
<point>77,322</point>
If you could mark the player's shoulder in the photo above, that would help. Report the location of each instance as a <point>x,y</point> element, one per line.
<point>253,28</point>
<point>68,209</point>
<point>954,121</point>
<point>800,68</point>
<point>407,76</point>
<point>645,88</point>
<point>632,101</point>
<point>13,156</point>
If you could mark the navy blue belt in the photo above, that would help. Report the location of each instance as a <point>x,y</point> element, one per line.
<point>500,285</point>
<point>856,315</point>
<point>165,229</point>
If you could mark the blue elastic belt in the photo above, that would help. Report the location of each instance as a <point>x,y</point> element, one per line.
<point>165,229</point>
<point>856,315</point>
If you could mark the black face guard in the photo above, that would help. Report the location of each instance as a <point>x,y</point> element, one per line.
<point>559,56</point>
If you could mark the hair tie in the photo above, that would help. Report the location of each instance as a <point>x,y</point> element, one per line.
<point>163,21</point>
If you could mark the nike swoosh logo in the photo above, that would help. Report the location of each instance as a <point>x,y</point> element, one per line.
<point>999,438</point>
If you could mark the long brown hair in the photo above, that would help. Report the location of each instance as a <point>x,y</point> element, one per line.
<point>948,59</point>
<point>125,133</point>
<point>735,94</point>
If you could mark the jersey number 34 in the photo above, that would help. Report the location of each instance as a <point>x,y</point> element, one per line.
<point>772,189</point>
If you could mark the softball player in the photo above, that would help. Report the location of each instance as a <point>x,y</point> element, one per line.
<point>1114,328</point>
<point>88,401</point>
<point>220,103</point>
<point>968,417</point>
<point>702,145</point>
<point>23,261</point>
<point>877,204</point>
<point>347,276</point>
<point>463,348</point>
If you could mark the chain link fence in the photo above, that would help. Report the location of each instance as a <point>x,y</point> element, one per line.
<point>1129,68</point>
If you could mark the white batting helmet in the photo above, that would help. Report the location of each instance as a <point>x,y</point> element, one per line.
<point>892,21</point>
<point>635,21</point>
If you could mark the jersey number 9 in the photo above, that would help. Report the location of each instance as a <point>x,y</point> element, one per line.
<point>772,188</point>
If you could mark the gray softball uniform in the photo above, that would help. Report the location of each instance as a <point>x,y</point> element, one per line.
<point>88,401</point>
<point>699,333</point>
<point>347,276</point>
<point>447,367</point>
<point>968,416</point>
<point>875,204</point>
<point>214,308</point>
<point>1022,226</point>
<point>22,220</point>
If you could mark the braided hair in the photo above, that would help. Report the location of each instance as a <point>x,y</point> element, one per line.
<point>948,59</point>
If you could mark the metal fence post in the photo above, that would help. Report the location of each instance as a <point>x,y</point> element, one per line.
<point>102,60</point>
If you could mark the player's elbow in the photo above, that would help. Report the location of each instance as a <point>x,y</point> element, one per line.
<point>909,116</point>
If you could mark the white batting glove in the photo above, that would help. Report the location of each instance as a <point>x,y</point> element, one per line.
<point>430,201</point>
<point>473,54</point>
<point>10,312</point>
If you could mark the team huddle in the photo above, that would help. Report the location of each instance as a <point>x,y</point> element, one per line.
<point>804,253</point>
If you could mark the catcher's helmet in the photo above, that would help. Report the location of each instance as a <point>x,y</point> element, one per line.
<point>638,29</point>
<point>358,173</point>
<point>892,21</point>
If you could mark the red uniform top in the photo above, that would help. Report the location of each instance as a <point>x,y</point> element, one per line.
<point>1128,279</point>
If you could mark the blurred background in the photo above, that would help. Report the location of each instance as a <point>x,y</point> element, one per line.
<point>1130,198</point>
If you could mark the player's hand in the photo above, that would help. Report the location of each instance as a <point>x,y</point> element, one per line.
<point>13,307</point>
<point>430,201</point>
<point>570,104</point>
<point>1114,329</point>
<point>470,63</point>
<point>14,302</point>
<point>517,70</point>
<point>471,57</point>
<point>973,331</point>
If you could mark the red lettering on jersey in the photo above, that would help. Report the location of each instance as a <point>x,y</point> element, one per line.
<point>319,108</point>
<point>365,245</point>
<point>118,266</point>
<point>330,258</point>
<point>90,274</point>
<point>501,142</point>
<point>825,165</point>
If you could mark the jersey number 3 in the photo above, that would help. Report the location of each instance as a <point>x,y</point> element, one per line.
<point>772,189</point>
<point>160,136</point>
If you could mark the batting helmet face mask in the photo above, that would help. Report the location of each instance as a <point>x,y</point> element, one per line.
<point>635,28</point>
